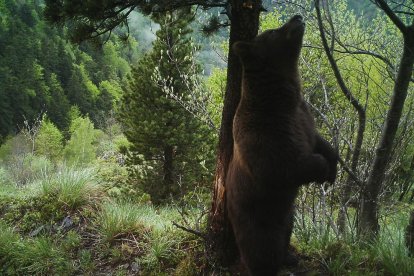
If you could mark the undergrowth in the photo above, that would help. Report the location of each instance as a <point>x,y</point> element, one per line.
<point>65,222</point>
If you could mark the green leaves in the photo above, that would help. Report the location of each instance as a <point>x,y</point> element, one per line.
<point>49,141</point>
<point>80,149</point>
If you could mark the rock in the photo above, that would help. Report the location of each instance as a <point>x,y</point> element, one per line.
<point>67,223</point>
<point>36,231</point>
<point>135,267</point>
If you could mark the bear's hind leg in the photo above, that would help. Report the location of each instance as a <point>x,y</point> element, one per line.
<point>262,250</point>
<point>290,258</point>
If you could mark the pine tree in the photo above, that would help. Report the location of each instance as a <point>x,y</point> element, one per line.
<point>164,134</point>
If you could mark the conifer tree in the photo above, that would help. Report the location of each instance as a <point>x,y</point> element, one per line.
<point>163,134</point>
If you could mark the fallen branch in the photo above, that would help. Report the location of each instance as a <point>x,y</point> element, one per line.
<point>189,230</point>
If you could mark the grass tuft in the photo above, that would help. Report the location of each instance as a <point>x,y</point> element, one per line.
<point>119,219</point>
<point>37,256</point>
<point>73,188</point>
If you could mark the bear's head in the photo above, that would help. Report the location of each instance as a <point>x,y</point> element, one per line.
<point>274,48</point>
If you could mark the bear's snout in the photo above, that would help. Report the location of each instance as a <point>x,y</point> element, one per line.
<point>296,21</point>
<point>297,17</point>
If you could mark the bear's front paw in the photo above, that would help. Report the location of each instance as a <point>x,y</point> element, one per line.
<point>332,169</point>
<point>321,169</point>
<point>313,168</point>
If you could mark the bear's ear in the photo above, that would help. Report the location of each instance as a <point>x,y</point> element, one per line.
<point>243,49</point>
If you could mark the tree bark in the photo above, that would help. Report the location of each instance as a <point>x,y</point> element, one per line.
<point>368,221</point>
<point>244,26</point>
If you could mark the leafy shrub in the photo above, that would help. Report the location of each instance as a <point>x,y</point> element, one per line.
<point>25,168</point>
<point>117,184</point>
<point>81,148</point>
<point>49,141</point>
<point>4,177</point>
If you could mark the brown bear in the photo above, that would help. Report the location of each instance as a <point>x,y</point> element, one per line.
<point>276,148</point>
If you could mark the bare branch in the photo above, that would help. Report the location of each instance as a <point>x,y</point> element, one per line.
<point>189,230</point>
<point>391,15</point>
<point>334,66</point>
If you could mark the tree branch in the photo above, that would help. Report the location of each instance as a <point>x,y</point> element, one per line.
<point>334,66</point>
<point>192,231</point>
<point>391,15</point>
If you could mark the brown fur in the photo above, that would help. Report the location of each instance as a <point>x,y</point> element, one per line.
<point>276,148</point>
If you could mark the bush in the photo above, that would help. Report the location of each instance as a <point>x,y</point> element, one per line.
<point>49,141</point>
<point>117,184</point>
<point>81,148</point>
<point>4,177</point>
<point>24,169</point>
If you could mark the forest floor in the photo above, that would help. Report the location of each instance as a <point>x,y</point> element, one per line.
<point>73,222</point>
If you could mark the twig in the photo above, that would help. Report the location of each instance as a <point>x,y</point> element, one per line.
<point>350,173</point>
<point>192,231</point>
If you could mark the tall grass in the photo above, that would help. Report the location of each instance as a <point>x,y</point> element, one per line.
<point>119,219</point>
<point>160,242</point>
<point>72,187</point>
<point>389,249</point>
<point>32,256</point>
<point>337,255</point>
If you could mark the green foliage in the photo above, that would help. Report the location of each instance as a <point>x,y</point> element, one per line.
<point>22,166</point>
<point>216,84</point>
<point>171,151</point>
<point>348,256</point>
<point>49,199</point>
<point>40,71</point>
<point>49,141</point>
<point>72,188</point>
<point>115,181</point>
<point>161,251</point>
<point>81,148</point>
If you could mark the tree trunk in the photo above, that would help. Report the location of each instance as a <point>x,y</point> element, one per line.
<point>368,221</point>
<point>350,183</point>
<point>244,26</point>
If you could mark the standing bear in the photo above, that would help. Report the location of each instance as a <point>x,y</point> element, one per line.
<point>276,148</point>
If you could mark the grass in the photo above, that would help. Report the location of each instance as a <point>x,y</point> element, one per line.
<point>31,256</point>
<point>117,236</point>
<point>119,219</point>
<point>45,202</point>
<point>163,249</point>
<point>73,188</point>
<point>390,250</point>
<point>162,246</point>
<point>334,255</point>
